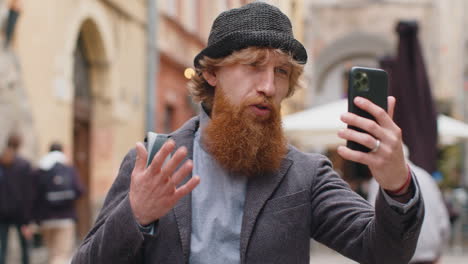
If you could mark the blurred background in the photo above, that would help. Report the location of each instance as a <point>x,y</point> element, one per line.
<point>97,74</point>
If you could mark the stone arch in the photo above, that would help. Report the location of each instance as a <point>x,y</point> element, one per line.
<point>92,22</point>
<point>90,31</point>
<point>357,44</point>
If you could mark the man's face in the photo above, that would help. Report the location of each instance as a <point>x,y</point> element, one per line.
<point>245,134</point>
<point>242,82</point>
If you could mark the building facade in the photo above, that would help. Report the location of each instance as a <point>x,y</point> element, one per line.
<point>83,67</point>
<point>341,33</point>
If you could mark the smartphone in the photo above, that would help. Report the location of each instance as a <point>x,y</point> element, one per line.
<point>368,83</point>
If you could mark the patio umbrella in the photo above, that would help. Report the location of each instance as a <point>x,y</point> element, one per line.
<point>415,113</point>
<point>317,127</point>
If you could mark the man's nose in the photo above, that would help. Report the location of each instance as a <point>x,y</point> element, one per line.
<point>267,82</point>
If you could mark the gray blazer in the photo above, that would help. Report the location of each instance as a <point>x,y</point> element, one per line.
<point>305,199</point>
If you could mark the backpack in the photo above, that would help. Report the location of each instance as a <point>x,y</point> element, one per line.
<point>59,185</point>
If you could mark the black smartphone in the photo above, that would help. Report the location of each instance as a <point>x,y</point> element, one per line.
<point>368,83</point>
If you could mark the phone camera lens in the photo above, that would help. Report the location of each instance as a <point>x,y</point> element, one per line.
<point>364,81</point>
<point>358,76</point>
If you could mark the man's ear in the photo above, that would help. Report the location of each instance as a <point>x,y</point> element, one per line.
<point>210,77</point>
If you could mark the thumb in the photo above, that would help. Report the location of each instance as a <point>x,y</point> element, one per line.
<point>141,157</point>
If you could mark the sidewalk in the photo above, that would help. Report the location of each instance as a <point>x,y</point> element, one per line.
<point>37,255</point>
<point>338,259</point>
<point>320,254</point>
<point>334,258</point>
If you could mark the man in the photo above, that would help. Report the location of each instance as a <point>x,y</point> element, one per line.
<point>16,197</point>
<point>257,199</point>
<point>58,189</point>
<point>435,230</point>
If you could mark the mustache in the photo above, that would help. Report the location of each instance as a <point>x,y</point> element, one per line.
<point>260,100</point>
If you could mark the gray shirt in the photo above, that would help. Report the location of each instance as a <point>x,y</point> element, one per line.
<point>217,208</point>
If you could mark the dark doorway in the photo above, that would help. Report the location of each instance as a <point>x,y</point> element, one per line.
<point>82,115</point>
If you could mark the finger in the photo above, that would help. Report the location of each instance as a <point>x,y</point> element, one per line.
<point>187,188</point>
<point>376,111</point>
<point>354,155</point>
<point>368,125</point>
<point>358,137</point>
<point>182,172</point>
<point>169,168</point>
<point>141,156</point>
<point>160,157</point>
<point>391,102</point>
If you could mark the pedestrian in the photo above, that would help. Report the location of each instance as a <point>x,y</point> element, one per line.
<point>16,197</point>
<point>435,230</point>
<point>234,191</point>
<point>58,189</point>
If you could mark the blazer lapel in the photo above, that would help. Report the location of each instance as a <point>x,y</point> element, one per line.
<point>183,209</point>
<point>259,189</point>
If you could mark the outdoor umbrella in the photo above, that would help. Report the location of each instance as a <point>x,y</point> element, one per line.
<point>415,113</point>
<point>317,127</point>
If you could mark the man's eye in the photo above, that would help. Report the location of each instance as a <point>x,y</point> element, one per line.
<point>282,71</point>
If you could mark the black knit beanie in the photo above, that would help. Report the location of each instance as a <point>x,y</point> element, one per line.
<point>256,24</point>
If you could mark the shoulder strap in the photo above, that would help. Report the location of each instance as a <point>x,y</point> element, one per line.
<point>154,142</point>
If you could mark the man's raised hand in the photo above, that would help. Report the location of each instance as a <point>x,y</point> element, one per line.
<point>153,189</point>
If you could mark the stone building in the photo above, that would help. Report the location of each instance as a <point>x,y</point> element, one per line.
<point>83,66</point>
<point>15,112</point>
<point>341,33</point>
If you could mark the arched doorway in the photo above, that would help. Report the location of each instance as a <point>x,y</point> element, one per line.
<point>82,116</point>
<point>92,114</point>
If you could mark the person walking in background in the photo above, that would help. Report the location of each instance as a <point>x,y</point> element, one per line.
<point>58,189</point>
<point>234,191</point>
<point>435,231</point>
<point>16,197</point>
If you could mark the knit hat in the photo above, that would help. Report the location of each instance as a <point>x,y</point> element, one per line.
<point>256,24</point>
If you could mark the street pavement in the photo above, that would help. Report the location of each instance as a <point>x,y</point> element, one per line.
<point>338,259</point>
<point>319,255</point>
<point>39,256</point>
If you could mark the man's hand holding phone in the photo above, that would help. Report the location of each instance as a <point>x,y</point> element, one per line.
<point>386,160</point>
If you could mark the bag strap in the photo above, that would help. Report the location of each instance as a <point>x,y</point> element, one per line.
<point>154,142</point>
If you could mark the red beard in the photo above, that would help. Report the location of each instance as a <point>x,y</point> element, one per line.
<point>242,142</point>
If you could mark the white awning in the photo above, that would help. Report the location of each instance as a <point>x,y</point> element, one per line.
<point>317,127</point>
